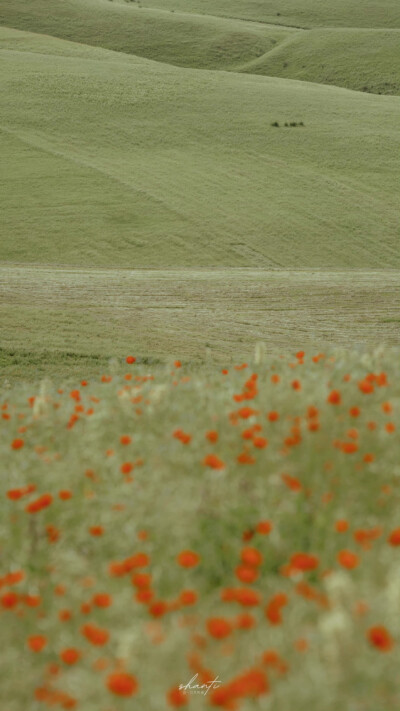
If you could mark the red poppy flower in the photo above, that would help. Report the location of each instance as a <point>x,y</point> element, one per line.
<point>380,638</point>
<point>96,530</point>
<point>348,559</point>
<point>122,684</point>
<point>70,656</point>
<point>188,597</point>
<point>95,635</point>
<point>251,556</point>
<point>245,621</point>
<point>264,527</point>
<point>341,526</point>
<point>188,559</point>
<point>102,600</point>
<point>177,698</point>
<point>246,574</point>
<point>394,538</point>
<point>37,642</point>
<point>334,397</point>
<point>219,627</point>
<point>304,561</point>
<point>214,462</point>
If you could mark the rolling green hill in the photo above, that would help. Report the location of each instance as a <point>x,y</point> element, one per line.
<point>365,60</point>
<point>112,160</point>
<point>301,13</point>
<point>360,59</point>
<point>182,39</point>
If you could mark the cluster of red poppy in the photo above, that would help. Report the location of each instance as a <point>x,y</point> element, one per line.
<point>285,499</point>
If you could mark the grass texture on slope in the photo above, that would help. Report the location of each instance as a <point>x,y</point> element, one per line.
<point>298,13</point>
<point>353,58</point>
<point>112,160</point>
<point>364,60</point>
<point>176,38</point>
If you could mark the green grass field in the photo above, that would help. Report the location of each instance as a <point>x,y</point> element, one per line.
<point>202,315</point>
<point>300,13</point>
<point>360,59</point>
<point>184,39</point>
<point>351,54</point>
<point>157,166</point>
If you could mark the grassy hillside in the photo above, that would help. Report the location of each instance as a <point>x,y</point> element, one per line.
<point>114,160</point>
<point>354,58</point>
<point>301,13</point>
<point>365,60</point>
<point>177,38</point>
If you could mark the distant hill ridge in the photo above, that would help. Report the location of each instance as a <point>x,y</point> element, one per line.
<point>344,42</point>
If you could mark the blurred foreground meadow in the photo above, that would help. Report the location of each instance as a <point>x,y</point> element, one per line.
<point>203,537</point>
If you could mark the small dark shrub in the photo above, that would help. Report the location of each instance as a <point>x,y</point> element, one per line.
<point>293,124</point>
